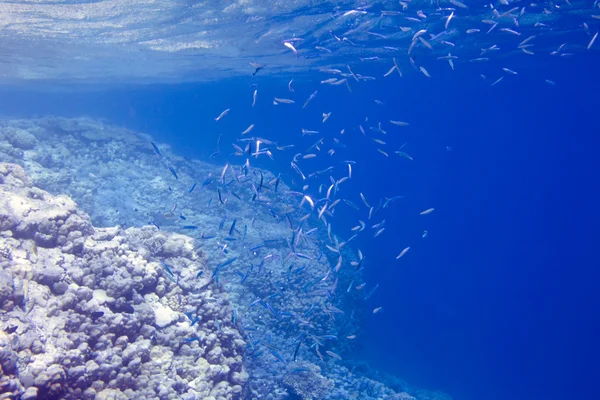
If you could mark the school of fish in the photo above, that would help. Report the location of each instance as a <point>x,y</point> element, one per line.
<point>433,32</point>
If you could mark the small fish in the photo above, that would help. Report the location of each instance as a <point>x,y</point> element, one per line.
<point>497,81</point>
<point>312,96</point>
<point>96,314</point>
<point>224,113</point>
<point>352,73</point>
<point>353,12</point>
<point>254,97</point>
<point>508,30</point>
<point>167,269</point>
<point>156,149</point>
<point>278,100</point>
<point>372,291</point>
<point>192,188</point>
<point>291,47</point>
<point>377,310</point>
<point>448,20</point>
<point>290,88</point>
<point>277,355</point>
<point>340,82</point>
<point>362,196</point>
<point>426,43</point>
<point>524,42</point>
<point>524,50</point>
<point>192,320</point>
<point>248,129</point>
<point>403,154</point>
<point>419,33</point>
<point>257,66</point>
<point>297,349</point>
<point>458,3</point>
<point>428,211</point>
<point>333,355</point>
<point>388,201</point>
<point>223,173</point>
<point>402,253</point>
<point>390,71</point>
<point>590,44</point>
<point>232,229</point>
<point>326,116</point>
<point>172,171</point>
<point>399,123</point>
<point>226,263</point>
<point>190,227</point>
<point>272,310</point>
<point>309,132</point>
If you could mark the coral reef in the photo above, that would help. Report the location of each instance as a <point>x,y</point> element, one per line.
<point>21,139</point>
<point>306,382</point>
<point>88,312</point>
<point>185,278</point>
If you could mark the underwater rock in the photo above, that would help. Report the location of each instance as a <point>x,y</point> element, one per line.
<point>81,318</point>
<point>8,362</point>
<point>20,138</point>
<point>30,213</point>
<point>307,383</point>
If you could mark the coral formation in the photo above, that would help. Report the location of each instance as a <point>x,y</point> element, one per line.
<point>87,312</point>
<point>306,382</point>
<point>19,138</point>
<point>160,280</point>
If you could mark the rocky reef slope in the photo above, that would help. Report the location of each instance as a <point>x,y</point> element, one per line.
<point>90,313</point>
<point>184,278</point>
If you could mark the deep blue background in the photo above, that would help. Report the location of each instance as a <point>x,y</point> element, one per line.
<point>500,300</point>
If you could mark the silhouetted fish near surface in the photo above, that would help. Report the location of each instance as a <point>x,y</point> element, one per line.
<point>257,67</point>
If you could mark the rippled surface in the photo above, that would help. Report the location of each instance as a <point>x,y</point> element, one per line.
<point>150,41</point>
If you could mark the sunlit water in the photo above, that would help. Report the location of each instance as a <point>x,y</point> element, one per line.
<point>406,171</point>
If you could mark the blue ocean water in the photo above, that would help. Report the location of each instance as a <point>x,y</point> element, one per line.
<point>497,296</point>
